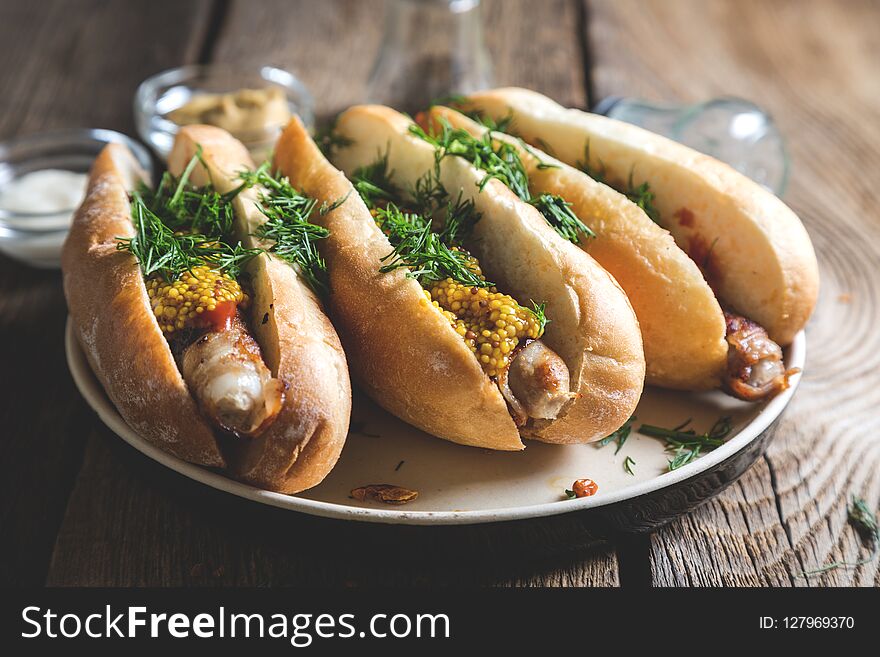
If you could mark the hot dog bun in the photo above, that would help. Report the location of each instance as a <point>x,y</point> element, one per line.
<point>114,323</point>
<point>682,324</point>
<point>593,327</point>
<point>755,252</point>
<point>127,350</point>
<point>299,344</point>
<point>402,351</point>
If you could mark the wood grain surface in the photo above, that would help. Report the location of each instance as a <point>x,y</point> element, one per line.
<point>82,508</point>
<point>814,66</point>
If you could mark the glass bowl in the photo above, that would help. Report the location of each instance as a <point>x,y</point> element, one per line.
<point>36,237</point>
<point>165,92</point>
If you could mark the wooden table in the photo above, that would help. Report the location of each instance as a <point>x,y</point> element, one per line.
<point>78,507</point>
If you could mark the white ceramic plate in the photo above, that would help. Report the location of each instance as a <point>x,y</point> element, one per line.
<point>465,485</point>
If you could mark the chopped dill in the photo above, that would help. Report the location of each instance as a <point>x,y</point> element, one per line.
<point>419,248</point>
<point>865,523</point>
<point>287,227</point>
<point>179,226</point>
<point>687,445</point>
<point>501,160</point>
<point>328,140</point>
<point>373,182</point>
<point>619,436</point>
<point>640,195</point>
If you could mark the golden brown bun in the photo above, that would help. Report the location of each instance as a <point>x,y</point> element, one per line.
<point>593,327</point>
<point>114,322</point>
<point>682,324</point>
<point>402,351</point>
<point>298,342</point>
<point>759,259</point>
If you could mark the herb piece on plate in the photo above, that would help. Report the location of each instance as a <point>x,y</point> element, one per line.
<point>686,444</point>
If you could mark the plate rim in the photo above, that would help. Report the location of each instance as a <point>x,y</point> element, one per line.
<point>94,395</point>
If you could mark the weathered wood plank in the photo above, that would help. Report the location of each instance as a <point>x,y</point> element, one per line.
<point>78,63</point>
<point>789,513</point>
<point>59,61</point>
<point>130,522</point>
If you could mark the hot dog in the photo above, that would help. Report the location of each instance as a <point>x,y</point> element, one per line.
<point>439,285</point>
<point>205,336</point>
<point>748,249</point>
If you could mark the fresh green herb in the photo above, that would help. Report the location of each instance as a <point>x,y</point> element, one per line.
<point>570,494</point>
<point>421,250</point>
<point>461,104</point>
<point>547,148</point>
<point>461,215</point>
<point>429,194</point>
<point>628,463</point>
<point>596,173</point>
<point>429,255</point>
<point>643,197</point>
<point>186,208</point>
<point>501,125</point>
<point>287,227</point>
<point>557,212</point>
<point>329,207</point>
<point>501,160</point>
<point>452,100</point>
<point>687,445</point>
<point>865,523</point>
<point>328,140</point>
<point>373,182</point>
<point>538,310</point>
<point>179,226</point>
<point>619,436</point>
<point>541,163</point>
<point>160,250</point>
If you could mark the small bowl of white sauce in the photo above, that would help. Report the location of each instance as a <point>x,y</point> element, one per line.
<point>42,181</point>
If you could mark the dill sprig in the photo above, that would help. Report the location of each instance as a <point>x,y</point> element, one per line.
<point>641,195</point>
<point>628,463</point>
<point>461,103</point>
<point>501,160</point>
<point>429,255</point>
<point>865,523</point>
<point>419,248</point>
<point>557,211</point>
<point>501,125</point>
<point>538,310</point>
<point>179,226</point>
<point>619,436</point>
<point>287,229</point>
<point>687,445</point>
<point>461,215</point>
<point>597,173</point>
<point>429,194</point>
<point>373,182</point>
<point>328,140</point>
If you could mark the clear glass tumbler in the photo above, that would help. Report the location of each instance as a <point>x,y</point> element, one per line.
<point>733,130</point>
<point>431,49</point>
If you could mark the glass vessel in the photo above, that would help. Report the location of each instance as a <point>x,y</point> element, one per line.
<point>732,130</point>
<point>431,49</point>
